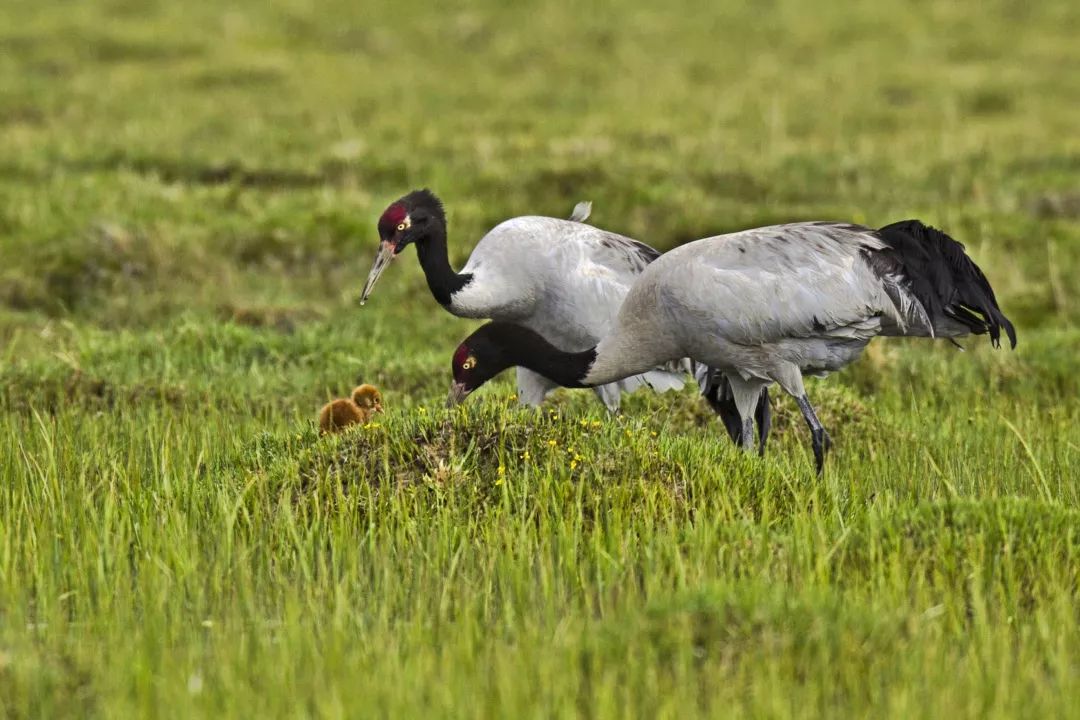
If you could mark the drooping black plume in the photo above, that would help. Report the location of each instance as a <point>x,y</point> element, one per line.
<point>942,277</point>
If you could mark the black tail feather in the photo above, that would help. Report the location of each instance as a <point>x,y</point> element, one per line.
<point>943,278</point>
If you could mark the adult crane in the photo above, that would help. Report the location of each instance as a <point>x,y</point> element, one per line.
<point>765,305</point>
<point>563,279</point>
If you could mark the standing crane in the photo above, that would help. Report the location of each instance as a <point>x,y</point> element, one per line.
<point>563,279</point>
<point>764,306</point>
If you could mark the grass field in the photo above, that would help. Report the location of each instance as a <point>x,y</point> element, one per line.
<point>188,197</point>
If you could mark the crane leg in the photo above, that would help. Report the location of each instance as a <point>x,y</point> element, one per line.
<point>610,395</point>
<point>722,401</point>
<point>532,387</point>
<point>764,420</point>
<point>818,436</point>
<point>790,378</point>
<point>747,395</point>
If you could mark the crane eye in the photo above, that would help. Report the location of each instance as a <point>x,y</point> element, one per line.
<point>469,364</point>
<point>401,226</point>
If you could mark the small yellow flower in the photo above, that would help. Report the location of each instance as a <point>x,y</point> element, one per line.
<point>372,426</point>
<point>573,464</point>
<point>596,423</point>
<point>653,433</point>
<point>502,470</point>
<point>513,397</point>
<point>423,410</point>
<point>552,443</point>
<point>525,455</point>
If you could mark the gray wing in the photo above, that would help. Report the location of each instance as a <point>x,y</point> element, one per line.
<point>592,272</point>
<point>622,253</point>
<point>768,284</point>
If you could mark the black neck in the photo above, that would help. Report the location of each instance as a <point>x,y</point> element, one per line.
<point>530,350</point>
<point>566,368</point>
<point>441,278</point>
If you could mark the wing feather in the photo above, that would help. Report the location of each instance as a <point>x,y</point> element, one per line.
<point>804,280</point>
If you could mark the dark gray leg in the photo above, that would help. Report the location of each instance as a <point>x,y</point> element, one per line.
<point>722,402</point>
<point>764,420</point>
<point>720,398</point>
<point>746,436</point>
<point>818,435</point>
<point>746,393</point>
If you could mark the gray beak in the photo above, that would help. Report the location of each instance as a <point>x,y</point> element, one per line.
<point>458,393</point>
<point>386,255</point>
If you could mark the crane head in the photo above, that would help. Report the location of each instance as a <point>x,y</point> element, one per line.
<point>407,220</point>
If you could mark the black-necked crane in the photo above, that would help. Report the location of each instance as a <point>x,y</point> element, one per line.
<point>766,305</point>
<point>563,279</point>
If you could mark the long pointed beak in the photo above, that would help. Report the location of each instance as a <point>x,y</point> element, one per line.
<point>382,261</point>
<point>458,393</point>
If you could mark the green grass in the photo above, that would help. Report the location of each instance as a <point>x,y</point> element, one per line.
<point>188,196</point>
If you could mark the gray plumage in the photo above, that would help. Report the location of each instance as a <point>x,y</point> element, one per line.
<point>564,280</point>
<point>773,304</point>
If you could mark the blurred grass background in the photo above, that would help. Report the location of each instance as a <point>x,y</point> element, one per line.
<point>188,197</point>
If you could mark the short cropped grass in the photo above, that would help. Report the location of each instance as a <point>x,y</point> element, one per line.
<point>188,196</point>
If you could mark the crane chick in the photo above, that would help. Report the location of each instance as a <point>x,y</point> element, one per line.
<point>357,409</point>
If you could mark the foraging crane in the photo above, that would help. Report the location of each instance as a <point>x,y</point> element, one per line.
<point>766,305</point>
<point>560,278</point>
